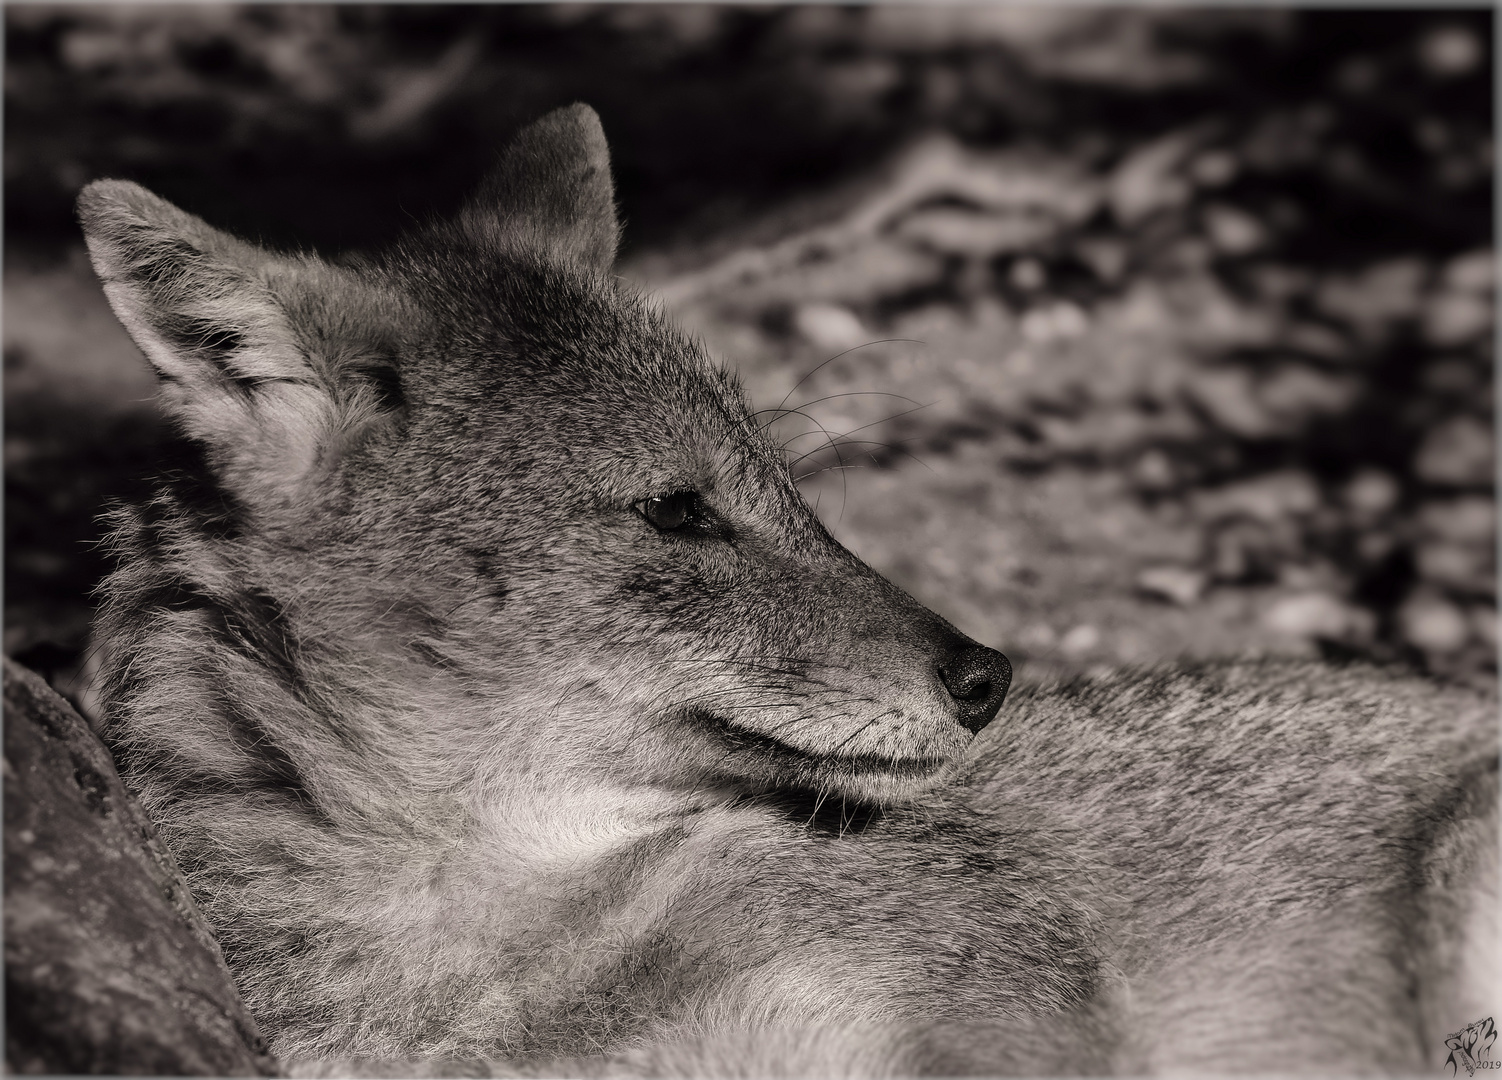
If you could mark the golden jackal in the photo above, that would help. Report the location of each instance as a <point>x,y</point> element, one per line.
<point>501,699</point>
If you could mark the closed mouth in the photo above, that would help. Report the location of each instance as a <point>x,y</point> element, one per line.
<point>758,743</point>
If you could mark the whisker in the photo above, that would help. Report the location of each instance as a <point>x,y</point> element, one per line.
<point>779,411</point>
<point>888,419</point>
<point>812,420</point>
<point>836,356</point>
<point>797,662</point>
<point>876,463</point>
<point>818,804</point>
<point>745,421</point>
<point>858,731</point>
<point>801,477</point>
<point>843,442</point>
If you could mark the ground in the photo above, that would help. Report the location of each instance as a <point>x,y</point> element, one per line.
<point>1146,334</point>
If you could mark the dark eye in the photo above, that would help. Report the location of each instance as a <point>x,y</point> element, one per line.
<point>675,511</point>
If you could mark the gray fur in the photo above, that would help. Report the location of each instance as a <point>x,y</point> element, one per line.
<point>465,760</point>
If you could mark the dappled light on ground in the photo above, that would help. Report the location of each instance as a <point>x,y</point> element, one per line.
<point>1154,332</point>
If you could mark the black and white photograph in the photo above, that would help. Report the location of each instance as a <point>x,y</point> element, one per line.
<point>750,540</point>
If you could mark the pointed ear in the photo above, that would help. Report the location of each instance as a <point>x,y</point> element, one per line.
<point>273,362</point>
<point>551,189</point>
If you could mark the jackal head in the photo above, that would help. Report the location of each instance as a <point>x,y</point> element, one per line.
<point>474,498</point>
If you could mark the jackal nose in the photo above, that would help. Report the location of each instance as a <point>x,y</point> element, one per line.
<point>977,678</point>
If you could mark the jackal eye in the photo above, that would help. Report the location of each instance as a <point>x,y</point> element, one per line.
<point>669,512</point>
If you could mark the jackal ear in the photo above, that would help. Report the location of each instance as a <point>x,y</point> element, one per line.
<point>551,189</point>
<point>265,359</point>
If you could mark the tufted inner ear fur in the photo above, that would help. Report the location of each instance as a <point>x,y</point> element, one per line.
<point>274,363</point>
<point>551,190</point>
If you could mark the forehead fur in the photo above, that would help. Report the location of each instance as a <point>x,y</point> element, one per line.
<point>509,329</point>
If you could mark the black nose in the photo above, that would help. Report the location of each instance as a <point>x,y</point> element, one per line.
<point>977,678</point>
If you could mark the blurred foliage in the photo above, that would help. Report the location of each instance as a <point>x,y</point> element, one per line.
<point>1244,263</point>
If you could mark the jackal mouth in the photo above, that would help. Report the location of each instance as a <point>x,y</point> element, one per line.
<point>773,750</point>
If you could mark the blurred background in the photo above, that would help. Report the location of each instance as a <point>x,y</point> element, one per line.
<point>1115,335</point>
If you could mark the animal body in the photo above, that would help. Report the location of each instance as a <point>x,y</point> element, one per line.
<point>503,702</point>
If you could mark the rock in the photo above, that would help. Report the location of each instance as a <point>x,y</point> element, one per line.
<point>1079,641</point>
<point>1433,624</point>
<point>1469,520</point>
<point>1244,550</point>
<point>1311,576</point>
<point>1458,379</point>
<point>1214,168</point>
<point>1270,498</point>
<point>951,231</point>
<point>1229,398</point>
<point>1454,318</point>
<point>1461,567</point>
<point>1450,50</point>
<point>1382,293</point>
<point>1154,471</point>
<point>1113,433</point>
<point>1233,232</point>
<point>1475,271</point>
<point>1459,452</point>
<point>1143,309</point>
<point>1371,493</point>
<point>1317,340</point>
<point>829,326</point>
<point>1037,638</point>
<point>1279,284</point>
<point>1028,275</point>
<point>1375,545</point>
<point>874,269</point>
<point>1296,394</point>
<point>1150,178</point>
<point>931,322</point>
<point>109,968</point>
<point>1054,322</point>
<point>1317,615</point>
<point>1178,584</point>
<point>1107,257</point>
